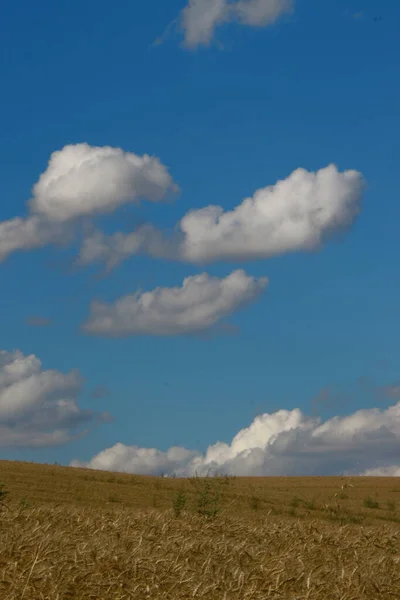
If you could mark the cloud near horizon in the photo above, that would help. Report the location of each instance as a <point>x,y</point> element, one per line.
<point>299,213</point>
<point>200,18</point>
<point>198,305</point>
<point>286,442</point>
<point>82,181</point>
<point>39,408</point>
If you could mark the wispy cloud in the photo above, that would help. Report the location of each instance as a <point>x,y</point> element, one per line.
<point>199,19</point>
<point>198,305</point>
<point>100,391</point>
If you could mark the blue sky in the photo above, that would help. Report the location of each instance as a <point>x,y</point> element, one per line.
<point>317,86</point>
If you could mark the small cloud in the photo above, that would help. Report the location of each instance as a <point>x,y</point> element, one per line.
<point>40,408</point>
<point>37,321</point>
<point>105,417</point>
<point>327,398</point>
<point>100,391</point>
<point>391,391</point>
<point>199,19</point>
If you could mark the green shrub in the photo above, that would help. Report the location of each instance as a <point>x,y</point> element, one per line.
<point>207,496</point>
<point>179,502</point>
<point>370,503</point>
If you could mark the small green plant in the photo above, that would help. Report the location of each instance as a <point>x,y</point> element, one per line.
<point>310,504</point>
<point>24,503</point>
<point>370,502</point>
<point>208,502</point>
<point>255,503</point>
<point>208,498</point>
<point>224,478</point>
<point>295,501</point>
<point>343,496</point>
<point>179,502</point>
<point>391,505</point>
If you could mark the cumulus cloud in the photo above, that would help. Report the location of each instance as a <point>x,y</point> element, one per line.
<point>200,18</point>
<point>298,213</point>
<point>38,408</point>
<point>199,304</point>
<point>83,181</point>
<point>281,443</point>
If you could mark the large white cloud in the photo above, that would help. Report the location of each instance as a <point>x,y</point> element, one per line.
<point>200,18</point>
<point>82,181</point>
<point>281,443</point>
<point>298,213</point>
<point>38,408</point>
<point>199,304</point>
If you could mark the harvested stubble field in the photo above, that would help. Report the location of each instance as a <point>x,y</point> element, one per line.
<point>80,534</point>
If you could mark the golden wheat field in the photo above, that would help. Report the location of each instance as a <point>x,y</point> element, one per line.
<point>74,534</point>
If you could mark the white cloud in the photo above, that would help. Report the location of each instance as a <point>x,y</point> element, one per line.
<point>298,213</point>
<point>29,233</point>
<point>388,471</point>
<point>200,18</point>
<point>281,443</point>
<point>295,214</point>
<point>199,304</point>
<point>37,408</point>
<point>82,181</point>
<point>260,13</point>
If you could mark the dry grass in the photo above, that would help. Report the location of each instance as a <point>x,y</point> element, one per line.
<point>77,534</point>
